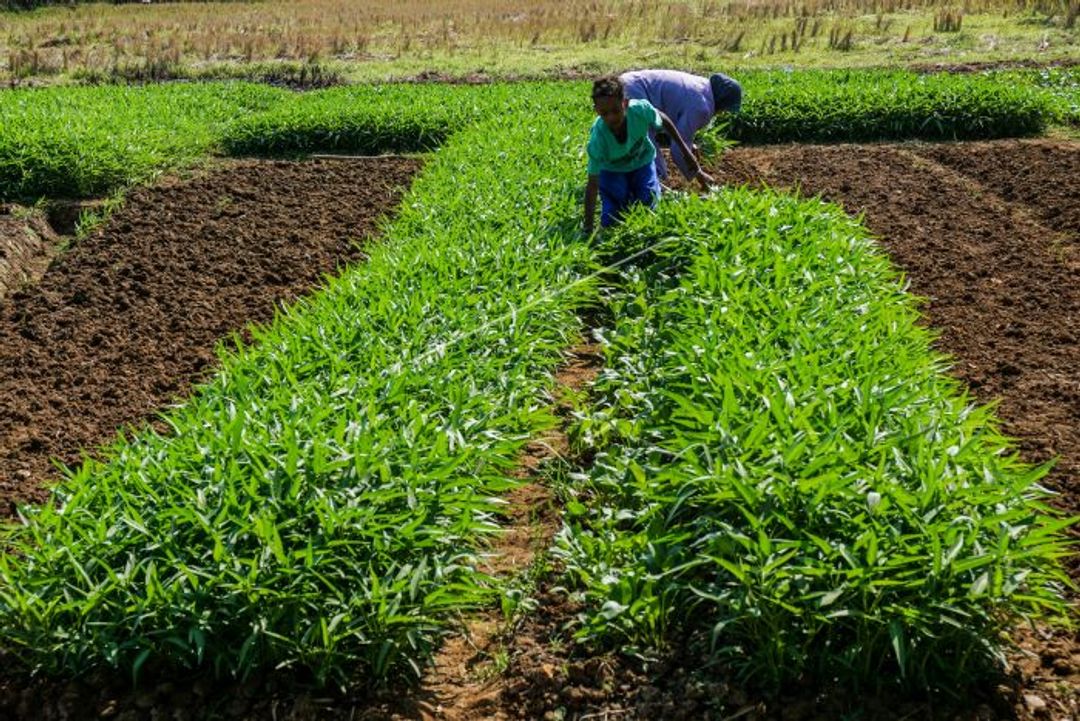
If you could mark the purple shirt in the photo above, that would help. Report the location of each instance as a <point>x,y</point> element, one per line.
<point>686,99</point>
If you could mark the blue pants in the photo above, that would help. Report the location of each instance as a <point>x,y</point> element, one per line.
<point>618,191</point>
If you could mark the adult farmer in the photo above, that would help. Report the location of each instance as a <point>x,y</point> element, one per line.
<point>689,100</point>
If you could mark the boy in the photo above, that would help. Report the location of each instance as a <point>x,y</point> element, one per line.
<point>621,154</point>
<point>690,101</point>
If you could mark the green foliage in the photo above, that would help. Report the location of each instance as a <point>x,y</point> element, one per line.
<point>785,472</point>
<point>320,502</point>
<point>64,141</point>
<point>367,119</point>
<point>834,106</point>
<point>85,142</point>
<point>783,467</point>
<point>1063,87</point>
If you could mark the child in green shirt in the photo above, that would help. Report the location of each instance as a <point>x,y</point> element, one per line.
<point>621,154</point>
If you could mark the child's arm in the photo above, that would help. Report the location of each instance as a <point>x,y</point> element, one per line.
<point>592,189</point>
<point>691,160</point>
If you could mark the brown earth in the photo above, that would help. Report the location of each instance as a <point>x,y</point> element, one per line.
<point>127,320</point>
<point>985,232</point>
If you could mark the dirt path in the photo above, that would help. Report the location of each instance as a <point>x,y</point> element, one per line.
<point>125,322</point>
<point>466,681</point>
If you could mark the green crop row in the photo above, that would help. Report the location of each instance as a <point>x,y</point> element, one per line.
<point>786,474</point>
<point>321,501</point>
<point>91,141</point>
<point>779,107</point>
<point>88,141</point>
<point>834,106</point>
<point>366,119</point>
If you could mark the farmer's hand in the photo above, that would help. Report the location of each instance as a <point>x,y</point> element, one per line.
<point>704,178</point>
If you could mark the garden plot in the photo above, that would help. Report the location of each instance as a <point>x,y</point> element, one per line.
<point>990,237</point>
<point>986,233</point>
<point>123,323</point>
<point>571,685</point>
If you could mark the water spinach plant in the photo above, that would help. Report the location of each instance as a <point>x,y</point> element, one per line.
<point>91,141</point>
<point>320,503</point>
<point>785,472</point>
<point>783,467</point>
<point>866,105</point>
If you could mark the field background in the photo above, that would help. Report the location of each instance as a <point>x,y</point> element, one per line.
<point>308,501</point>
<point>384,40</point>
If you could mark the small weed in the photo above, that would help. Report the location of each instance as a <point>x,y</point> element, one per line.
<point>93,218</point>
<point>496,664</point>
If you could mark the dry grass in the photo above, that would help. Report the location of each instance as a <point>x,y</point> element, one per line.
<point>107,37</point>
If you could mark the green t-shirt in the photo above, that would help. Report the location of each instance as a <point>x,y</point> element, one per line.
<point>607,153</point>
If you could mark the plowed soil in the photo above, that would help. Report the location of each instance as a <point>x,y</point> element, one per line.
<point>127,320</point>
<point>986,233</point>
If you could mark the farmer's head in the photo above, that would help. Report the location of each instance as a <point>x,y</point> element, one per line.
<point>727,93</point>
<point>609,101</point>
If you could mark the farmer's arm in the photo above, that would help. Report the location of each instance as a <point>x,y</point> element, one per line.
<point>689,122</point>
<point>592,189</point>
<point>693,170</point>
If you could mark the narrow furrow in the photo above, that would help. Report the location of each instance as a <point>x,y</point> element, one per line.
<point>465,681</point>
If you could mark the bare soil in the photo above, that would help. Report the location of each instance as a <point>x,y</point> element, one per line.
<point>127,320</point>
<point>986,233</point>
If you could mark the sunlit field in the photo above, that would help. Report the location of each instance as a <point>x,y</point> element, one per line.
<point>320,399</point>
<point>384,39</point>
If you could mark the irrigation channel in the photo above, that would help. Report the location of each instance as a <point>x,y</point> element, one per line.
<point>124,322</point>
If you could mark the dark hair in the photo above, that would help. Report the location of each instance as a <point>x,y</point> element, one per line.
<point>608,86</point>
